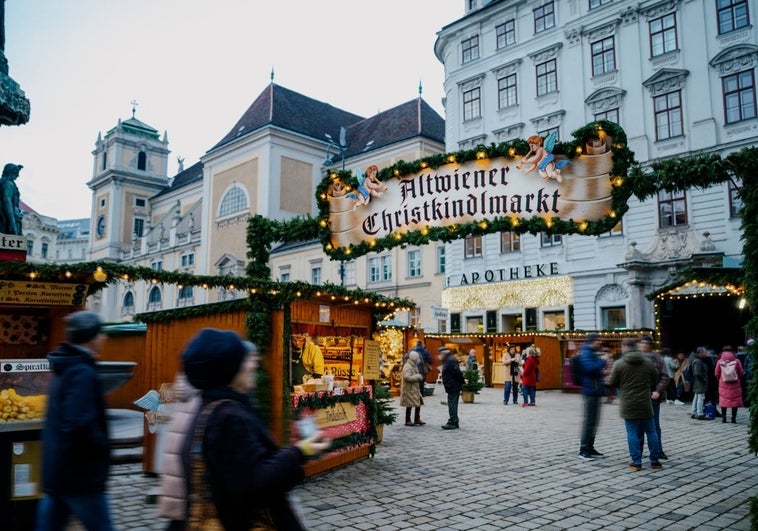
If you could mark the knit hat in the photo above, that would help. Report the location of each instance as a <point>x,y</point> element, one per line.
<point>646,339</point>
<point>212,358</point>
<point>82,327</point>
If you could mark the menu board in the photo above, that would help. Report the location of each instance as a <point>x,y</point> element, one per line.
<point>372,356</point>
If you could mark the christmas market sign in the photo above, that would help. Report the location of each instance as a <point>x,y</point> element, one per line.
<point>42,293</point>
<point>537,185</point>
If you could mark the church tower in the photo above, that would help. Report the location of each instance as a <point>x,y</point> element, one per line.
<point>129,167</point>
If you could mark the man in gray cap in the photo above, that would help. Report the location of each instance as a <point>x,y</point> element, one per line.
<point>75,447</point>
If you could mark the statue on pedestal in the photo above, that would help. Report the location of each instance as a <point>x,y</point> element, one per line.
<point>10,210</point>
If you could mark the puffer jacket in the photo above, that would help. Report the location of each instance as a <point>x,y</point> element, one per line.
<point>730,393</point>
<point>410,390</point>
<point>593,367</point>
<point>172,501</point>
<point>635,375</point>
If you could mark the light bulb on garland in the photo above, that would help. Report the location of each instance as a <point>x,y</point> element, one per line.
<point>99,275</point>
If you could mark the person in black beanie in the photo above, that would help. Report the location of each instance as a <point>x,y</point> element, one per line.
<point>75,447</point>
<point>248,474</point>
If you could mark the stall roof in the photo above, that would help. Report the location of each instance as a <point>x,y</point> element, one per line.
<point>702,280</point>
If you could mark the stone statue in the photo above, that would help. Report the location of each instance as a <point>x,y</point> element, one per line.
<point>10,211</point>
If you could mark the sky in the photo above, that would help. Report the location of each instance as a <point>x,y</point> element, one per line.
<point>194,67</point>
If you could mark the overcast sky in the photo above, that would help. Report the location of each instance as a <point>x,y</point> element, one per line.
<point>194,67</point>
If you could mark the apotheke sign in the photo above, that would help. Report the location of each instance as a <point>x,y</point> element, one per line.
<point>505,274</point>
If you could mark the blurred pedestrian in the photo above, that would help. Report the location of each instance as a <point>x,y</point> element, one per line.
<point>593,390</point>
<point>75,447</point>
<point>424,364</point>
<point>229,451</point>
<point>410,391</point>
<point>699,382</point>
<point>658,391</point>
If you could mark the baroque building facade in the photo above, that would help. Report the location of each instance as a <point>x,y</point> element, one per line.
<point>677,75</point>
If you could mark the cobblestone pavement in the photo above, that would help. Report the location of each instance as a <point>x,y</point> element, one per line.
<point>510,467</point>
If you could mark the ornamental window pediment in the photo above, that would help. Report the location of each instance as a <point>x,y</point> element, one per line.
<point>735,59</point>
<point>605,98</point>
<point>548,121</point>
<point>506,69</point>
<point>546,53</point>
<point>596,33</point>
<point>666,80</point>
<point>471,83</point>
<point>653,10</point>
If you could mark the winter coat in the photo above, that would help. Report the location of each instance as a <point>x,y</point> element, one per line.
<point>634,375</point>
<point>593,369</point>
<point>172,502</point>
<point>663,375</point>
<point>246,469</point>
<point>529,377</point>
<point>75,446</point>
<point>699,374</point>
<point>410,390</point>
<point>730,393</point>
<point>512,368</point>
<point>452,377</point>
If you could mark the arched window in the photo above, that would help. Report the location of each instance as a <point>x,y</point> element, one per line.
<point>142,161</point>
<point>154,299</point>
<point>185,296</point>
<point>128,305</point>
<point>234,200</point>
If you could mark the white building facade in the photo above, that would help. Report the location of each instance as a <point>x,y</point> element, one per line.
<point>677,75</point>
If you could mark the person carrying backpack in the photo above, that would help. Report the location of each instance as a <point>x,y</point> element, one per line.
<point>593,390</point>
<point>729,373</point>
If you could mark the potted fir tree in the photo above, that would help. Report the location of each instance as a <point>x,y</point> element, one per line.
<point>384,410</point>
<point>472,385</point>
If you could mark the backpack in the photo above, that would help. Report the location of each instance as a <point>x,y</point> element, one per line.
<point>729,371</point>
<point>577,374</point>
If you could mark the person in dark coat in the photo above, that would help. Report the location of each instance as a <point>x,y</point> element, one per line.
<point>424,364</point>
<point>452,380</point>
<point>593,390</point>
<point>248,474</point>
<point>75,447</point>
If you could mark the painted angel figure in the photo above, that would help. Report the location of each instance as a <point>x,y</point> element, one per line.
<point>541,157</point>
<point>370,186</point>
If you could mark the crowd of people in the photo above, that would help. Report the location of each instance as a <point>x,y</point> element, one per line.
<point>643,379</point>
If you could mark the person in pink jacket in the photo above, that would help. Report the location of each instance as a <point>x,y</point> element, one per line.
<point>729,373</point>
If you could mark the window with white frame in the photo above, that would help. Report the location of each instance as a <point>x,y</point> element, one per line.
<point>547,77</point>
<point>414,317</point>
<point>603,56</point>
<point>470,49</point>
<point>475,324</point>
<point>316,274</point>
<point>739,96</point>
<point>187,260</point>
<point>472,104</point>
<point>127,306</point>
<point>597,3</point>
<point>663,38</point>
<point>613,318</point>
<point>612,115</point>
<point>185,297</point>
<point>154,299</point>
<point>234,200</point>
<point>157,265</point>
<point>507,92</point>
<point>509,242</point>
<point>550,240</point>
<point>554,320</point>
<point>414,263</point>
<point>617,230</point>
<point>440,259</point>
<point>138,228</point>
<point>544,17</point>
<point>735,200</point>
<point>348,273</point>
<point>29,247</point>
<point>732,15</point>
<point>668,115</point>
<point>43,250</point>
<point>672,209</point>
<point>140,202</point>
<point>386,262</point>
<point>472,247</point>
<point>380,268</point>
<point>284,274</point>
<point>505,34</point>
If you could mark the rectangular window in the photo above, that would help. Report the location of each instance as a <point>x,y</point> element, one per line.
<point>373,269</point>
<point>612,115</point>
<point>510,242</point>
<point>547,77</point>
<point>550,240</point>
<point>505,34</point>
<point>544,17</point>
<point>441,259</point>
<point>597,3</point>
<point>663,35</point>
<point>188,259</point>
<point>470,49</point>
<point>139,227</point>
<point>613,318</point>
<point>507,95</point>
<point>386,273</point>
<point>554,320</point>
<point>284,276</point>
<point>471,104</point>
<point>732,15</point>
<point>348,273</point>
<point>672,208</point>
<point>30,247</point>
<point>414,263</point>
<point>603,56</point>
<point>43,253</point>
<point>414,317</point>
<point>617,230</point>
<point>474,325</point>
<point>140,202</point>
<point>102,202</point>
<point>739,96</point>
<point>472,247</point>
<point>668,115</point>
<point>735,201</point>
<point>316,275</point>
<point>157,265</point>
